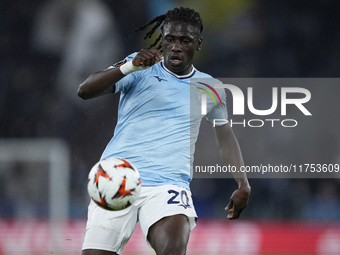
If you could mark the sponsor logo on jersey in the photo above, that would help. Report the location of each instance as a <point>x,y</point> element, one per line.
<point>159,78</point>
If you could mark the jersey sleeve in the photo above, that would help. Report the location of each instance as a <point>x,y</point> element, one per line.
<point>126,82</point>
<point>219,112</point>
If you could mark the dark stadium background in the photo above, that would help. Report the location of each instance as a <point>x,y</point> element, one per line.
<point>48,47</point>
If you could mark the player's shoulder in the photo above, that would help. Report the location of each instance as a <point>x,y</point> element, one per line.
<point>205,78</point>
<point>199,74</point>
<point>206,81</point>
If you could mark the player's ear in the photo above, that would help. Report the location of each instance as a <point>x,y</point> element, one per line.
<point>199,45</point>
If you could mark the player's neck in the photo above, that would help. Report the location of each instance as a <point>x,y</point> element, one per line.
<point>180,76</point>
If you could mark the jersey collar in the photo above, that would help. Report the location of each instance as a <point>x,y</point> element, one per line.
<point>186,76</point>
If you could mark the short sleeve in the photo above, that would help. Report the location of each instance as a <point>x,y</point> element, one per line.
<point>219,111</point>
<point>125,83</point>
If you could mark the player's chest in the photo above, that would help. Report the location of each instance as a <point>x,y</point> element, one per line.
<point>164,91</point>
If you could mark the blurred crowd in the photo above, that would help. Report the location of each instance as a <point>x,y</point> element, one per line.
<point>47,48</point>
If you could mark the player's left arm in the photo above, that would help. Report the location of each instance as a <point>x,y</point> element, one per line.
<point>231,155</point>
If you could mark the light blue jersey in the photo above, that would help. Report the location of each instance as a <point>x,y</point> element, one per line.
<point>159,116</point>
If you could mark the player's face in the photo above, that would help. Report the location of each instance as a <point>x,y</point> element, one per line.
<point>180,41</point>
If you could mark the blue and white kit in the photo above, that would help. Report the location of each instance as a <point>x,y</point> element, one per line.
<point>159,117</point>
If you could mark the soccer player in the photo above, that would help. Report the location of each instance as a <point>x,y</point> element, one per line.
<point>156,131</point>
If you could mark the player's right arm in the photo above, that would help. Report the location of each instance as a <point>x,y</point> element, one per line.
<point>103,82</point>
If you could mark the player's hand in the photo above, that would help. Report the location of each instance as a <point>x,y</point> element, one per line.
<point>147,57</point>
<point>238,201</point>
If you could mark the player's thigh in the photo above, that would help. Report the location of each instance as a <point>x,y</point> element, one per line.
<point>97,252</point>
<point>167,217</point>
<point>170,235</point>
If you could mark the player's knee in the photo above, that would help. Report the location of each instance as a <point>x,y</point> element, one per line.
<point>170,235</point>
<point>172,251</point>
<point>173,247</point>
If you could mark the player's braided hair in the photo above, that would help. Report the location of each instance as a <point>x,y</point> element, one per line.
<point>177,14</point>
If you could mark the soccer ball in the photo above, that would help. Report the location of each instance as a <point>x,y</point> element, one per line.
<point>114,184</point>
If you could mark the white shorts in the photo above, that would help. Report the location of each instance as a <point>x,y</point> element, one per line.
<point>111,230</point>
